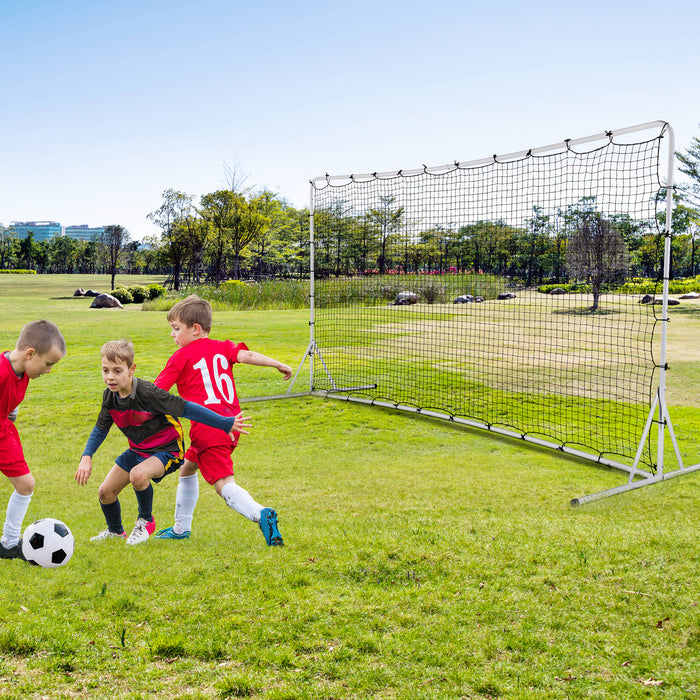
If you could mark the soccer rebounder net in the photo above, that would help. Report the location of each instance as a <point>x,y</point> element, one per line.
<point>496,293</point>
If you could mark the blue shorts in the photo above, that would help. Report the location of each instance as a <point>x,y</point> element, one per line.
<point>128,459</point>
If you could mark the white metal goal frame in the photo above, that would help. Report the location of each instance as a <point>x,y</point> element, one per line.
<point>658,417</point>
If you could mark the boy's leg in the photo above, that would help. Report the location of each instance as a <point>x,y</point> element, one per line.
<point>185,501</point>
<point>238,499</point>
<point>10,544</point>
<point>108,493</point>
<point>140,476</point>
<point>186,497</point>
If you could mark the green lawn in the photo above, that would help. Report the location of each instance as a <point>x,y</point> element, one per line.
<point>422,559</point>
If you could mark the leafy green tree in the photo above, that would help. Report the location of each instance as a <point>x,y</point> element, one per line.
<point>88,257</point>
<point>223,210</point>
<point>272,248</point>
<point>9,247</point>
<point>63,254</point>
<point>28,251</point>
<point>690,166</point>
<point>388,220</point>
<point>168,217</point>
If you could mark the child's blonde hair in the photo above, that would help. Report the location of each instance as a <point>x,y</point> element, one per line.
<point>192,310</point>
<point>41,336</point>
<point>119,351</point>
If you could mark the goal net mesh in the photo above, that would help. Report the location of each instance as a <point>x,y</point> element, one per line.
<point>491,292</point>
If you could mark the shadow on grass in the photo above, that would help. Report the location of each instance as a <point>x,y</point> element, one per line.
<point>586,311</point>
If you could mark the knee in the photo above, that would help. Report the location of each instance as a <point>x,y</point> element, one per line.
<point>139,479</point>
<point>106,494</point>
<point>188,468</point>
<point>25,487</point>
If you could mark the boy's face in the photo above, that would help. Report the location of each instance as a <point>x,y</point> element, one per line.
<point>183,335</point>
<point>117,376</point>
<point>35,364</point>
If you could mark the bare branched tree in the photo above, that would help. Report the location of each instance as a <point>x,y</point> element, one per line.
<point>114,238</point>
<point>236,178</point>
<point>597,254</point>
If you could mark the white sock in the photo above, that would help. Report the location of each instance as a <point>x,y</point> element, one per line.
<point>185,501</point>
<point>241,501</point>
<point>16,510</point>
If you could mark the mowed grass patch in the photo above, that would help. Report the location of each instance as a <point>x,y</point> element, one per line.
<point>422,559</point>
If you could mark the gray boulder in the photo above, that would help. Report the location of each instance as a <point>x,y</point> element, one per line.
<point>405,298</point>
<point>106,301</point>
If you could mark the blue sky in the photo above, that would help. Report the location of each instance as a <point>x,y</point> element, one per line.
<point>106,104</point>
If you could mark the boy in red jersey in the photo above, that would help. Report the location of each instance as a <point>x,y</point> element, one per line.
<point>202,371</point>
<point>39,347</point>
<point>147,416</point>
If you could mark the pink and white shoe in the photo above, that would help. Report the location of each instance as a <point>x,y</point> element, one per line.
<point>142,531</point>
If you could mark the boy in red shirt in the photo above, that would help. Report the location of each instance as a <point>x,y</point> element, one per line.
<point>39,347</point>
<point>202,371</point>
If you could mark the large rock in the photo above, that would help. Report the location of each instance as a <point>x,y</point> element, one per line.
<point>690,295</point>
<point>405,298</point>
<point>506,295</point>
<point>464,299</point>
<point>106,301</point>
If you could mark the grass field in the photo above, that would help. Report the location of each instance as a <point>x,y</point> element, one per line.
<point>422,559</point>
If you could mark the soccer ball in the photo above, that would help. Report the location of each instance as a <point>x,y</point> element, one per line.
<point>47,542</point>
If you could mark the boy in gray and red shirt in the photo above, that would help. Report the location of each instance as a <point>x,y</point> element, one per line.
<point>147,415</point>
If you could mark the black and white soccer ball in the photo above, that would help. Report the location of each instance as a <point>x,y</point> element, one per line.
<point>47,542</point>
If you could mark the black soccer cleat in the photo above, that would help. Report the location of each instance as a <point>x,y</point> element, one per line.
<point>14,552</point>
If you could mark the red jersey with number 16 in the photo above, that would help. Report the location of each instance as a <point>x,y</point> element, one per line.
<point>203,373</point>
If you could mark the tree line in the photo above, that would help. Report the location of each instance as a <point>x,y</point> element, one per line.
<point>237,233</point>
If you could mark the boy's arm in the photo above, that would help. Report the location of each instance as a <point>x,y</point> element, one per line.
<point>250,357</point>
<point>167,377</point>
<point>97,437</point>
<point>229,424</point>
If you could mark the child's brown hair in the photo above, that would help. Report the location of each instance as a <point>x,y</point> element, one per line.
<point>41,336</point>
<point>119,351</point>
<point>192,310</point>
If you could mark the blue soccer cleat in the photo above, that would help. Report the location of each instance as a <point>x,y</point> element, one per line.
<point>268,525</point>
<point>170,534</point>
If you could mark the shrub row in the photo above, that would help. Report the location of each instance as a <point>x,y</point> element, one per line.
<point>138,293</point>
<point>17,272</point>
<point>636,285</point>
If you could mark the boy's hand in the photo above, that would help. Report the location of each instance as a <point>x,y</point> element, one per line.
<point>84,470</point>
<point>239,423</point>
<point>286,371</point>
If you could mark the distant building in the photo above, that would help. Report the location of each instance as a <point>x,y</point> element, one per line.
<point>84,232</point>
<point>42,230</point>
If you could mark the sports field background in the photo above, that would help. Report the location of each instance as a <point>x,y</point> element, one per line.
<point>422,559</point>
